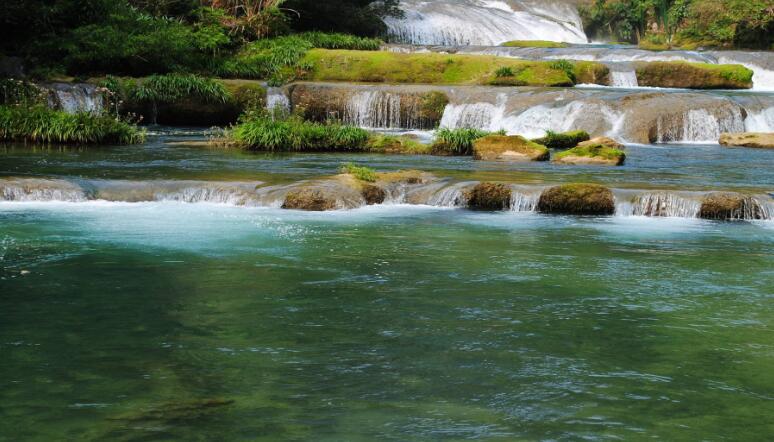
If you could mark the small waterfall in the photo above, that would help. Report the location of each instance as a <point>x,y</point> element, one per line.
<point>698,126</point>
<point>480,115</point>
<point>760,121</point>
<point>75,98</point>
<point>485,22</point>
<point>524,199</point>
<point>658,205</point>
<point>450,196</point>
<point>277,100</point>
<point>623,75</point>
<point>32,189</point>
<point>761,63</point>
<point>374,109</point>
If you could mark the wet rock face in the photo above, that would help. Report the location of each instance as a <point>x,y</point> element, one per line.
<point>577,199</point>
<point>748,139</point>
<point>730,206</point>
<point>602,141</point>
<point>508,148</point>
<point>373,194</point>
<point>309,198</point>
<point>489,196</point>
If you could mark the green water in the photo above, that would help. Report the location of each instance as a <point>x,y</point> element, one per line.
<point>173,321</point>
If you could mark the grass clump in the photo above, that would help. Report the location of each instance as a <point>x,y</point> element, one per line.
<point>564,140</point>
<point>39,124</point>
<point>457,141</point>
<point>504,71</point>
<point>293,134</point>
<point>534,44</point>
<point>360,172</point>
<point>380,143</point>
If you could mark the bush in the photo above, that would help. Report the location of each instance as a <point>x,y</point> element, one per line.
<point>39,124</point>
<point>360,172</point>
<point>294,134</point>
<point>14,91</point>
<point>564,140</point>
<point>457,141</point>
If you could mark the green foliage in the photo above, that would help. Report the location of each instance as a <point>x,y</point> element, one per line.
<point>294,134</point>
<point>14,92</point>
<point>39,124</point>
<point>505,71</point>
<point>564,140</point>
<point>564,65</point>
<point>173,87</point>
<point>593,151</point>
<point>457,141</point>
<point>360,172</point>
<point>358,17</point>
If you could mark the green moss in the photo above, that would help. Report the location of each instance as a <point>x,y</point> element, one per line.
<point>564,140</point>
<point>38,124</point>
<point>577,199</point>
<point>681,74</point>
<point>489,196</point>
<point>379,143</point>
<point>534,44</point>
<point>360,172</point>
<point>430,68</point>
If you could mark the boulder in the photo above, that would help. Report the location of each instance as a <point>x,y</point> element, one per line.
<point>508,148</point>
<point>564,140</point>
<point>309,198</point>
<point>748,139</point>
<point>602,141</point>
<point>577,199</point>
<point>729,206</point>
<point>489,196</point>
<point>372,194</point>
<point>595,154</point>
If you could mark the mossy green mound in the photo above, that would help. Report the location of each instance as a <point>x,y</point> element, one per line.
<point>456,141</point>
<point>591,154</point>
<point>508,148</point>
<point>431,68</point>
<point>489,196</point>
<point>730,206</point>
<point>391,144</point>
<point>577,199</point>
<point>564,140</point>
<point>679,74</point>
<point>534,44</point>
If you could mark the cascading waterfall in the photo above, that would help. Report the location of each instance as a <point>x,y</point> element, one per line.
<point>374,109</point>
<point>658,204</point>
<point>485,22</point>
<point>699,126</point>
<point>760,121</point>
<point>277,100</point>
<point>622,75</point>
<point>75,98</point>
<point>524,199</point>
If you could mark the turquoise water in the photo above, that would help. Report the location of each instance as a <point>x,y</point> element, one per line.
<point>174,321</point>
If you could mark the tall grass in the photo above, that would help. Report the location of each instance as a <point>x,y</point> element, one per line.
<point>457,141</point>
<point>39,124</point>
<point>362,173</point>
<point>294,134</point>
<point>173,87</point>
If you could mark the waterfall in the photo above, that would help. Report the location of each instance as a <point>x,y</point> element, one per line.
<point>75,98</point>
<point>525,199</point>
<point>761,63</point>
<point>450,196</point>
<point>660,205</point>
<point>698,126</point>
<point>32,189</point>
<point>760,121</point>
<point>623,75</point>
<point>277,100</point>
<point>478,115</point>
<point>374,109</point>
<point>485,22</point>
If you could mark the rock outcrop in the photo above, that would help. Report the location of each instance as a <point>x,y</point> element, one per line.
<point>508,148</point>
<point>577,199</point>
<point>730,206</point>
<point>489,196</point>
<point>594,154</point>
<point>748,139</point>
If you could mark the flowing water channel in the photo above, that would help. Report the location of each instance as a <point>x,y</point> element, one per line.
<point>160,292</point>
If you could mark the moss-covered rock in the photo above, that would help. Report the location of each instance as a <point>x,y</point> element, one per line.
<point>391,144</point>
<point>431,68</point>
<point>590,72</point>
<point>748,139</point>
<point>489,196</point>
<point>679,74</point>
<point>596,154</point>
<point>729,206</point>
<point>564,140</point>
<point>602,141</point>
<point>309,198</point>
<point>508,148</point>
<point>534,44</point>
<point>577,199</point>
<point>431,106</point>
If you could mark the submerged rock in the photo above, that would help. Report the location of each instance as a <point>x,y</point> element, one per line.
<point>591,154</point>
<point>489,196</point>
<point>748,139</point>
<point>730,206</point>
<point>176,411</point>
<point>508,148</point>
<point>577,199</point>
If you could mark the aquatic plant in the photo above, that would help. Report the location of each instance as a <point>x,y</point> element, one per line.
<point>294,134</point>
<point>39,124</point>
<point>457,141</point>
<point>360,172</point>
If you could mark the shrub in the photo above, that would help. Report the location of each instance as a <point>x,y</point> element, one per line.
<point>504,71</point>
<point>39,124</point>
<point>14,91</point>
<point>564,140</point>
<point>360,172</point>
<point>563,65</point>
<point>457,141</point>
<point>294,134</point>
